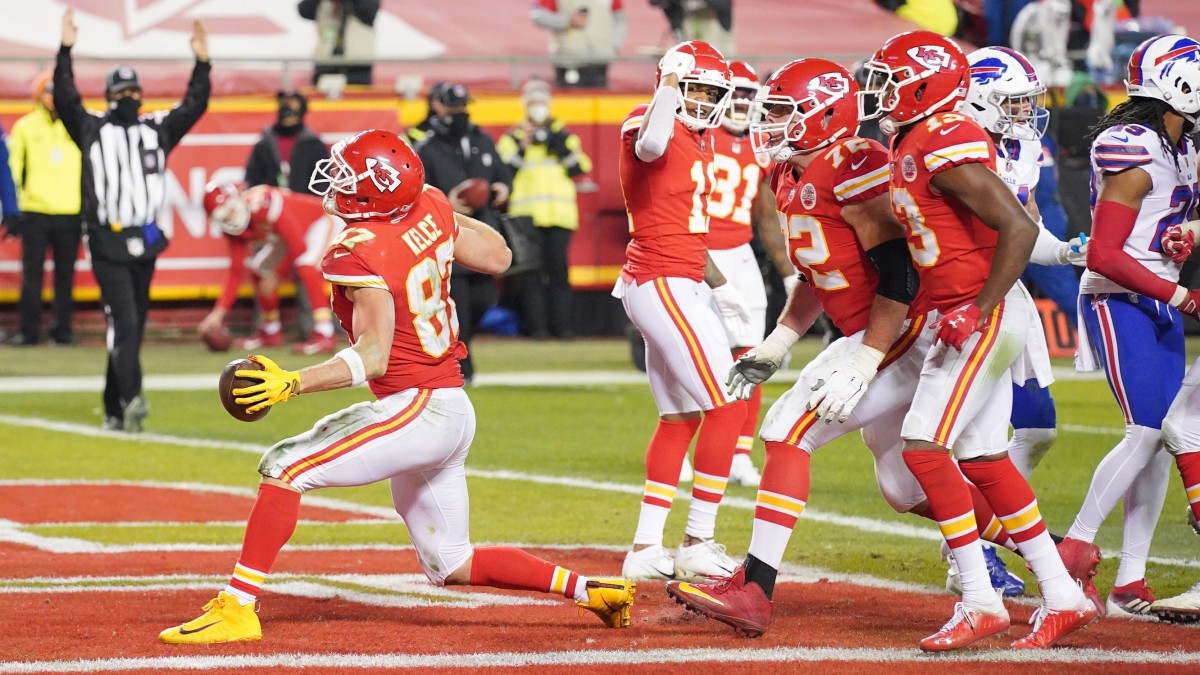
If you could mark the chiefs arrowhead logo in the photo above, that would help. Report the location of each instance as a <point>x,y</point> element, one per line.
<point>834,84</point>
<point>933,56</point>
<point>385,176</point>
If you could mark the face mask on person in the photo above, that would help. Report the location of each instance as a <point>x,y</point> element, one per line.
<point>288,123</point>
<point>456,123</point>
<point>125,110</point>
<point>538,113</point>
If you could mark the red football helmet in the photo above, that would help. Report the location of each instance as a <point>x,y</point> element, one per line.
<point>741,108</point>
<point>711,72</point>
<point>916,74</point>
<point>807,104</point>
<point>224,204</point>
<point>371,175</point>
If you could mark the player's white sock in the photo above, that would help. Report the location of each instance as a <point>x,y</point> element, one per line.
<point>1027,447</point>
<point>1143,504</point>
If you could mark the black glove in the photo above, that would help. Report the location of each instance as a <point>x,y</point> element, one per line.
<point>12,225</point>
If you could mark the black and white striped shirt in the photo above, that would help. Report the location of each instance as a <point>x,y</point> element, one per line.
<point>124,166</point>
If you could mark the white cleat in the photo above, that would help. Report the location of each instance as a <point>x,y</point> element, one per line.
<point>1183,608</point>
<point>702,560</point>
<point>648,564</point>
<point>742,471</point>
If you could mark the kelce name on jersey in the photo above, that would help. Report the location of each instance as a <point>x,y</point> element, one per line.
<point>422,235</point>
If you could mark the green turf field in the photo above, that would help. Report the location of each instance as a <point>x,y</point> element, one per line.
<point>594,433</point>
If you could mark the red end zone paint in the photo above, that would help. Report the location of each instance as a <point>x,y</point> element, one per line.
<point>135,503</point>
<point>109,624</point>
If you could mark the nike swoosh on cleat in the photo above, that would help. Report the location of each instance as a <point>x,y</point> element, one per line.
<point>184,631</point>
<point>688,588</point>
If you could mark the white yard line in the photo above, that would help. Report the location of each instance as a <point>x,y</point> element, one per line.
<point>550,378</point>
<point>604,657</point>
<point>869,525</point>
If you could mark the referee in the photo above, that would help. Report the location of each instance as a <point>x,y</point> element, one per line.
<point>123,183</point>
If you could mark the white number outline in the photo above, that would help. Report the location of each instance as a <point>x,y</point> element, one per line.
<point>424,309</point>
<point>732,177</point>
<point>922,241</point>
<point>815,254</point>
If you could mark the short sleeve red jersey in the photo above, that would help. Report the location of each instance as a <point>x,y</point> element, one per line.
<point>667,202</point>
<point>822,245</point>
<point>951,248</point>
<point>288,214</point>
<point>411,260</point>
<point>737,176</point>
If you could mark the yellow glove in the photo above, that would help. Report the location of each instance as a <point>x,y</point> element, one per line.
<point>277,386</point>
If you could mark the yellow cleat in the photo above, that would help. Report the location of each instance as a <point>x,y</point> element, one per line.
<point>224,620</point>
<point>609,599</point>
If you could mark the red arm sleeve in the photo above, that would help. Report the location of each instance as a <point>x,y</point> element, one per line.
<point>1111,225</point>
<point>235,273</point>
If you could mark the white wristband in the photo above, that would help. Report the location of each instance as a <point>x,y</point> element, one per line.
<point>358,372</point>
<point>778,342</point>
<point>865,362</point>
<point>1180,296</point>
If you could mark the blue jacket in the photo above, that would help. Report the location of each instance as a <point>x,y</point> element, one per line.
<point>8,189</point>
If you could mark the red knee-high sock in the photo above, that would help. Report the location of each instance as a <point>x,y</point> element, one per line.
<point>664,459</point>
<point>1010,496</point>
<point>714,450</point>
<point>512,568</point>
<point>1189,470</point>
<point>949,498</point>
<point>783,491</point>
<point>745,441</point>
<point>988,524</point>
<point>272,522</point>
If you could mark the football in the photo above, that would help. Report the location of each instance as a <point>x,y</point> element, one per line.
<point>475,192</point>
<point>217,339</point>
<point>229,382</point>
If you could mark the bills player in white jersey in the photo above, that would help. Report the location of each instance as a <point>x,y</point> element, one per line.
<point>1130,302</point>
<point>740,203</point>
<point>1008,100</point>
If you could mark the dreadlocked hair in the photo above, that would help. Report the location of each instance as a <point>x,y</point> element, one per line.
<point>1143,111</point>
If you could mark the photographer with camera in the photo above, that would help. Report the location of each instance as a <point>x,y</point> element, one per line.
<point>545,158</point>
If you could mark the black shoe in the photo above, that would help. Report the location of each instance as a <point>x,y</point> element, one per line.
<point>23,341</point>
<point>62,340</point>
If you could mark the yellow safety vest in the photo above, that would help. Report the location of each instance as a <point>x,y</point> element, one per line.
<point>45,165</point>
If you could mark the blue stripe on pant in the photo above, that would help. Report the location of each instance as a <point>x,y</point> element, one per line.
<point>1145,369</point>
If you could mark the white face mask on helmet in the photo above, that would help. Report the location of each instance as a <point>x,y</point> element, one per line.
<point>538,112</point>
<point>1005,95</point>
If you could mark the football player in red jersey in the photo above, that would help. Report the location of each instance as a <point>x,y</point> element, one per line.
<point>970,239</point>
<point>668,287</point>
<point>831,191</point>
<point>294,231</point>
<point>741,200</point>
<point>390,272</point>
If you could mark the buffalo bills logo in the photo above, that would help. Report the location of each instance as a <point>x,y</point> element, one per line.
<point>385,176</point>
<point>808,196</point>
<point>908,168</point>
<point>933,56</point>
<point>1183,50</point>
<point>833,84</point>
<point>987,71</point>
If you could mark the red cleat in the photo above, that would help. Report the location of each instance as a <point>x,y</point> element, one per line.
<point>731,601</point>
<point>1081,560</point>
<point>1131,601</point>
<point>259,340</point>
<point>1052,625</point>
<point>965,627</point>
<point>317,344</point>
